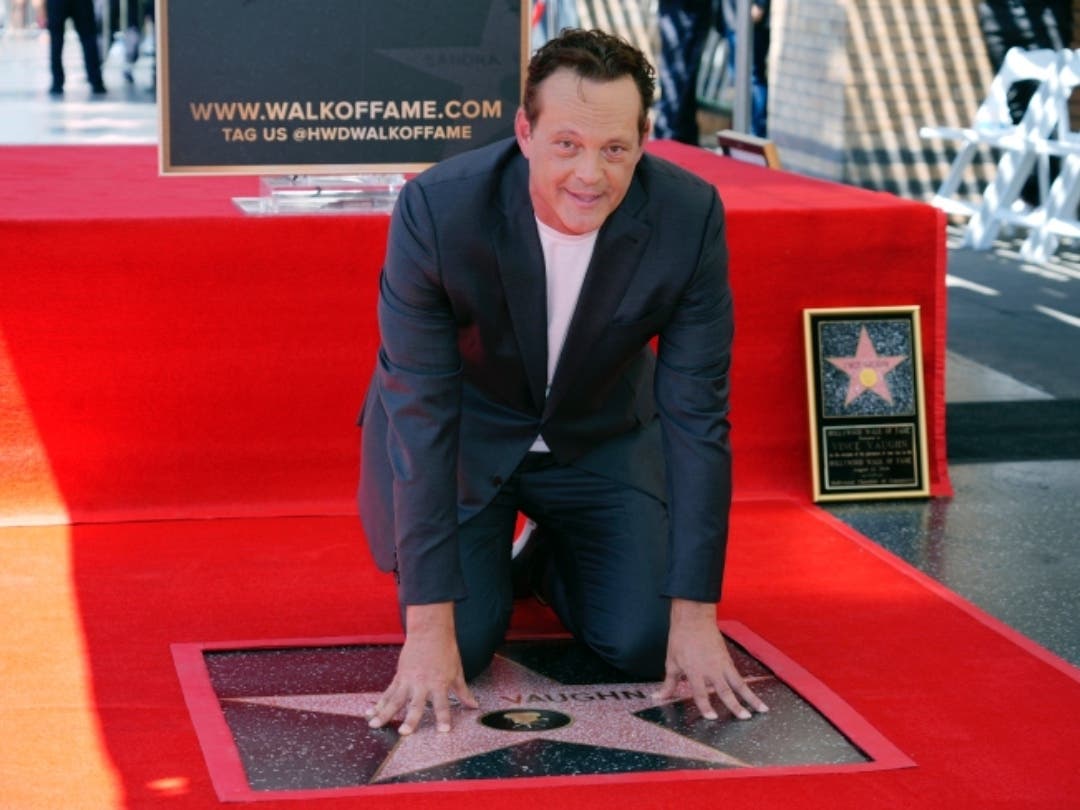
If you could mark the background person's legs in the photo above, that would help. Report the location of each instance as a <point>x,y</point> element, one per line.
<point>684,26</point>
<point>57,21</point>
<point>82,15</point>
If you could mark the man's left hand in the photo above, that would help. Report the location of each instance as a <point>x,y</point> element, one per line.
<point>697,652</point>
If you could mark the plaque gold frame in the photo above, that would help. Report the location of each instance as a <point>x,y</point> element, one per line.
<point>867,414</point>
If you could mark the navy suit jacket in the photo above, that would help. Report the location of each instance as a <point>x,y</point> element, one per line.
<point>458,393</point>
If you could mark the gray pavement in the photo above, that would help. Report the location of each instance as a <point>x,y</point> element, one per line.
<point>1008,540</point>
<point>127,113</point>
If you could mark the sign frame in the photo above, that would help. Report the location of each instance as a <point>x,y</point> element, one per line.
<point>182,139</point>
<point>867,414</point>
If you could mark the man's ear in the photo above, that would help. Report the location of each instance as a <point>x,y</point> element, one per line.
<point>523,131</point>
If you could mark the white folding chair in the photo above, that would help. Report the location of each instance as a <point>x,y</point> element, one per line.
<point>993,127</point>
<point>714,80</point>
<point>1059,215</point>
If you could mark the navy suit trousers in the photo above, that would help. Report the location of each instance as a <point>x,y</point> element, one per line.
<point>604,549</point>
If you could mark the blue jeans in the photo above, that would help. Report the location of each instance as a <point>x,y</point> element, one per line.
<point>759,84</point>
<point>684,27</point>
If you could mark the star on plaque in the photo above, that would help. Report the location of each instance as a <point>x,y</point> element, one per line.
<point>480,67</point>
<point>867,369</point>
<point>518,706</point>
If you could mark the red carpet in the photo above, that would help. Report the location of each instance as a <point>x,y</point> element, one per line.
<point>163,357</point>
<point>168,357</point>
<point>94,716</point>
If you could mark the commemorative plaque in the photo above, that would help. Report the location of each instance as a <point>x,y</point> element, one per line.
<point>867,418</point>
<point>287,719</point>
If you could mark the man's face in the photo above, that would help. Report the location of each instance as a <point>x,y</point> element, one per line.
<point>582,149</point>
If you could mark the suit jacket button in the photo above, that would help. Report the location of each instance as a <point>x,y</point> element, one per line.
<point>497,480</point>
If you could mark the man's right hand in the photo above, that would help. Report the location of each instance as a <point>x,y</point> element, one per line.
<point>429,669</point>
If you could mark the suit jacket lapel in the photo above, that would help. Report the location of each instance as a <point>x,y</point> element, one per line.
<point>615,260</point>
<point>521,266</point>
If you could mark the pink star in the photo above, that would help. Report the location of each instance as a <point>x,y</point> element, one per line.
<point>867,369</point>
<point>602,715</point>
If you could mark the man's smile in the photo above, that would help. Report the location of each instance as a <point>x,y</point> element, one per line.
<point>584,197</point>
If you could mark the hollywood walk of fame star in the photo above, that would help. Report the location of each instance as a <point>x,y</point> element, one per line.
<point>867,369</point>
<point>479,68</point>
<point>519,705</point>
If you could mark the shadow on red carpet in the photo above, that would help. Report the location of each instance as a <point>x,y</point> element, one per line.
<point>936,677</point>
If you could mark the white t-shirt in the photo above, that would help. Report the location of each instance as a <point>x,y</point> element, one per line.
<point>566,258</point>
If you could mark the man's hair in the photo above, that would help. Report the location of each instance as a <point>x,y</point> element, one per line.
<point>594,55</point>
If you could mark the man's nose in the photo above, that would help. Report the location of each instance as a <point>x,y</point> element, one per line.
<point>589,169</point>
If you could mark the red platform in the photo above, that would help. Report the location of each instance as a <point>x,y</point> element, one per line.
<point>163,355</point>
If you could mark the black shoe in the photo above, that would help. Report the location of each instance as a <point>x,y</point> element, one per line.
<point>56,90</point>
<point>98,89</point>
<point>528,559</point>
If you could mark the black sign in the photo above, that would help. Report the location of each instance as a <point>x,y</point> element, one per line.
<point>867,425</point>
<point>334,86</point>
